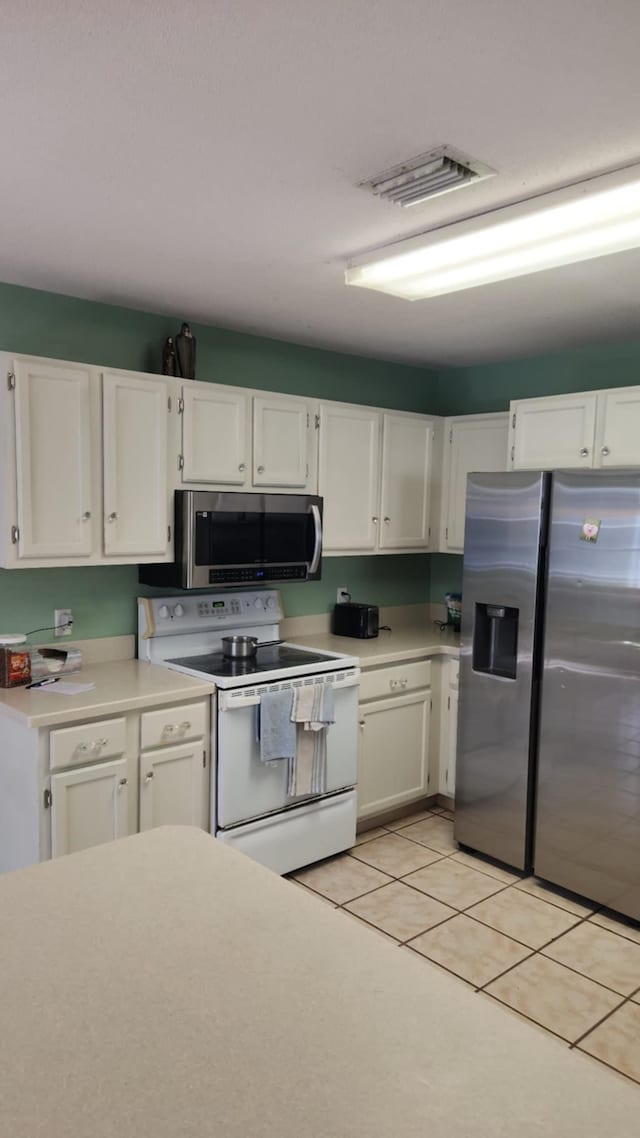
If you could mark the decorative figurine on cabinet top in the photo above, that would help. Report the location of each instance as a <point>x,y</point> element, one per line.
<point>169,366</point>
<point>186,352</point>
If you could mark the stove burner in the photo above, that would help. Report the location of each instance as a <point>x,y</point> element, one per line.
<point>267,660</point>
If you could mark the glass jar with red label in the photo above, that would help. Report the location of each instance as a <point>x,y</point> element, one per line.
<point>15,660</point>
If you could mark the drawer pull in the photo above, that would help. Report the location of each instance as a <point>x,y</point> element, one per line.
<point>99,743</point>
<point>186,726</point>
<point>83,748</point>
<point>148,777</point>
<point>403,683</point>
<point>168,729</point>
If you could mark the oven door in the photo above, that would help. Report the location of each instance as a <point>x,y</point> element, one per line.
<point>248,788</point>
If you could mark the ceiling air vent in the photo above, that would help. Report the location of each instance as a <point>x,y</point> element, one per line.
<point>427,176</point>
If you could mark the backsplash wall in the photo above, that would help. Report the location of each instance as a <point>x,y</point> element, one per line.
<point>103,598</point>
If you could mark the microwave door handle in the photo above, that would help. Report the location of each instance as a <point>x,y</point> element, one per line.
<point>317,548</point>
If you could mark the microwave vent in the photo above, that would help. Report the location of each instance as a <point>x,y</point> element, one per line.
<point>427,176</point>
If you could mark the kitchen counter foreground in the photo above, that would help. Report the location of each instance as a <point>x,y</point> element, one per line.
<point>122,685</point>
<point>166,985</point>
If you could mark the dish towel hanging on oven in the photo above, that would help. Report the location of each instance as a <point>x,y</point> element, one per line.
<point>275,729</point>
<point>313,713</point>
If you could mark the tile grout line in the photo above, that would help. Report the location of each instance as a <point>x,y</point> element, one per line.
<point>624,1000</point>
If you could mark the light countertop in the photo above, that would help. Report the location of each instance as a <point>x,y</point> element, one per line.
<point>410,642</point>
<point>166,985</point>
<point>122,685</point>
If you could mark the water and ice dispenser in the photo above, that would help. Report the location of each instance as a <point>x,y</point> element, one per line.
<point>495,640</point>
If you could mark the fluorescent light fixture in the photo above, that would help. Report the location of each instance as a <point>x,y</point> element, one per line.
<point>577,223</point>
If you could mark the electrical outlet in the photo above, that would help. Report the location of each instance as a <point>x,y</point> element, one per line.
<point>343,595</point>
<point>62,622</point>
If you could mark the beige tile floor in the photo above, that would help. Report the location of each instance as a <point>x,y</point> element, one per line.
<point>550,957</point>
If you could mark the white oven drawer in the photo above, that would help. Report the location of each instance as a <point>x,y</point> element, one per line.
<point>173,724</point>
<point>248,788</point>
<point>103,739</point>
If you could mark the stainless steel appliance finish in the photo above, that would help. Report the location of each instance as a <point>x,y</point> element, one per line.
<point>231,539</point>
<point>588,814</point>
<point>504,541</point>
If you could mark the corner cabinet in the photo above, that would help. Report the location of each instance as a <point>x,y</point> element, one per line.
<point>471,443</point>
<point>84,456</point>
<point>395,722</point>
<point>375,477</point>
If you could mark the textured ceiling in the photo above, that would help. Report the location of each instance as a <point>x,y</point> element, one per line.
<point>200,158</point>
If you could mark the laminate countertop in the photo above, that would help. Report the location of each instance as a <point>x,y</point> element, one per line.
<point>166,985</point>
<point>406,642</point>
<point>122,685</point>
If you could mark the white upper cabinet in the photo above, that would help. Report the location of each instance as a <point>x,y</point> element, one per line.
<point>348,476</point>
<point>135,456</point>
<point>554,432</point>
<point>405,493</point>
<point>284,443</point>
<point>216,435</point>
<point>471,443</point>
<point>618,428</point>
<point>53,460</point>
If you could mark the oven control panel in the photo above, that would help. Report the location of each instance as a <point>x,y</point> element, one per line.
<point>191,613</point>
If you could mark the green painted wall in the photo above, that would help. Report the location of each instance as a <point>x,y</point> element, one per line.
<point>490,387</point>
<point>103,599</point>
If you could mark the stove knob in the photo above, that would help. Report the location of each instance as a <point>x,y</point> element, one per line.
<point>178,610</point>
<point>163,611</point>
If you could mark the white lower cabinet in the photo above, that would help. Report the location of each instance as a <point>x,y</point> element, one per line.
<point>173,789</point>
<point>89,805</point>
<point>448,728</point>
<point>393,759</point>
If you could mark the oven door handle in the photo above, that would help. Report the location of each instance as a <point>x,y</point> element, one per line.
<point>317,548</point>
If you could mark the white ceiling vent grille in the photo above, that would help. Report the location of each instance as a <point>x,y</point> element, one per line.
<point>427,176</point>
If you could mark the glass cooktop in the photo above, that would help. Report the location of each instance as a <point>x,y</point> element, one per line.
<point>266,660</point>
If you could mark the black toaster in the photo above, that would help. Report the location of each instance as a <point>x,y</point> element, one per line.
<point>360,621</point>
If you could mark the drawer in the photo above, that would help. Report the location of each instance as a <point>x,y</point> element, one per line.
<point>173,724</point>
<point>395,680</point>
<point>103,739</point>
<point>454,671</point>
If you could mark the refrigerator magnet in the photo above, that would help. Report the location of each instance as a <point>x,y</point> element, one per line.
<point>590,530</point>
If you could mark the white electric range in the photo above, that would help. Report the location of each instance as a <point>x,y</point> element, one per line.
<point>250,808</point>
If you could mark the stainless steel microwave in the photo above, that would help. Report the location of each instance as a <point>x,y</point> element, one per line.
<point>241,539</point>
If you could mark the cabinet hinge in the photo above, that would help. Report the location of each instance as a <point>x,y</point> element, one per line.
<point>451,435</point>
<point>430,705</point>
<point>449,704</point>
<point>180,405</point>
<point>513,454</point>
<point>308,421</point>
<point>169,402</point>
<point>204,759</point>
<point>15,535</point>
<point>307,474</point>
<point>180,462</point>
<point>513,419</point>
<point>47,798</point>
<point>11,380</point>
<point>168,533</point>
<point>317,419</point>
<point>446,534</point>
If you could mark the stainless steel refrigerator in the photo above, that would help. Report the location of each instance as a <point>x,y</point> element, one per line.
<point>548,765</point>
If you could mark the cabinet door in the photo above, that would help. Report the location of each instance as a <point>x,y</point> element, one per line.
<point>216,435</point>
<point>136,499</point>
<point>452,743</point>
<point>348,477</point>
<point>407,443</point>
<point>471,445</point>
<point>618,428</point>
<point>393,760</point>
<point>283,431</point>
<point>53,464</point>
<point>89,806</point>
<point>173,786</point>
<point>554,432</point>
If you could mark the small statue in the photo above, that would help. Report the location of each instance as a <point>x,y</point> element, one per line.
<point>186,352</point>
<point>169,363</point>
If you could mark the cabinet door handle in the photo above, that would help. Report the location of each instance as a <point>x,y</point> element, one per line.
<point>605,451</point>
<point>123,782</point>
<point>242,467</point>
<point>375,520</point>
<point>261,470</point>
<point>148,777</point>
<point>86,515</point>
<point>112,517</point>
<point>386,521</point>
<point>362,722</point>
<point>584,451</point>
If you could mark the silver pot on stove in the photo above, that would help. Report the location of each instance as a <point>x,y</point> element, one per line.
<point>244,647</point>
